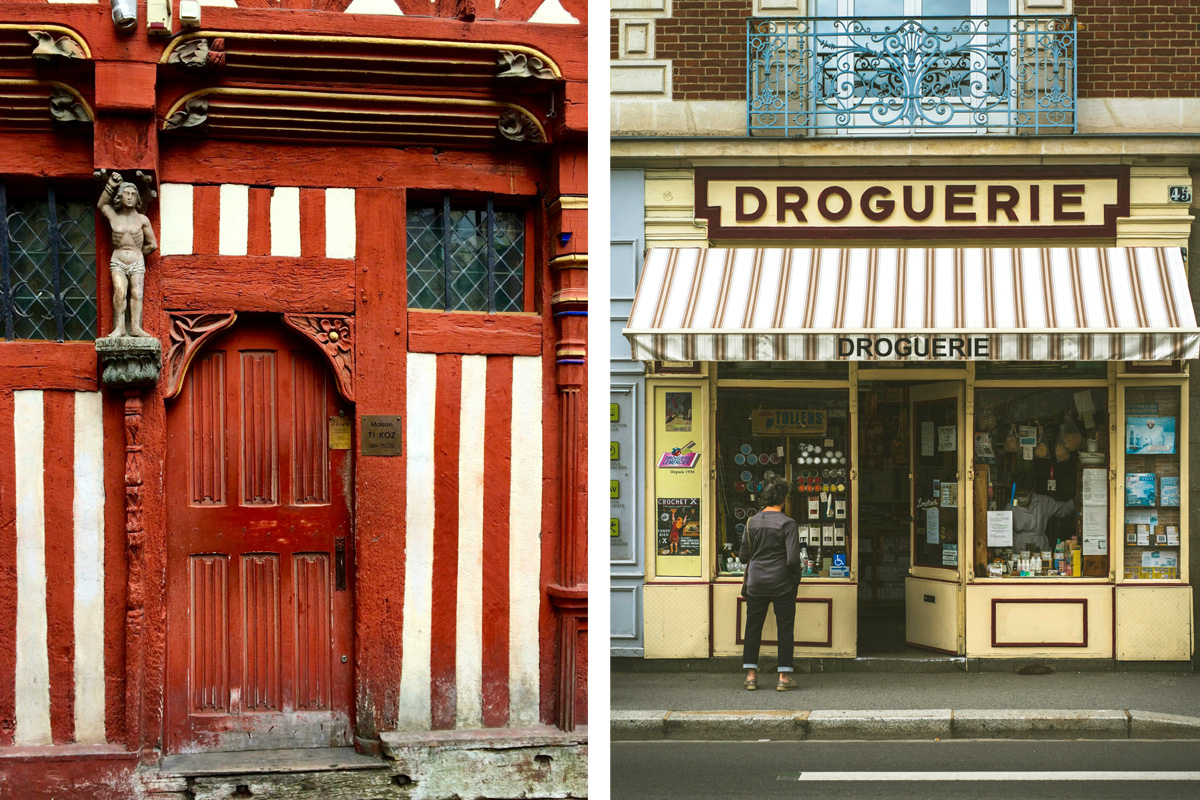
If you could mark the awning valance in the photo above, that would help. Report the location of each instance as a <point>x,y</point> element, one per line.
<point>818,304</point>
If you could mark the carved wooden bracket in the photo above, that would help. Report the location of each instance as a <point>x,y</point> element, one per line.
<point>518,127</point>
<point>522,65</point>
<point>334,334</point>
<point>199,54</point>
<point>189,330</point>
<point>47,49</point>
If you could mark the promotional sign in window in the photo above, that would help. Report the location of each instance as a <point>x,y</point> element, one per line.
<point>678,526</point>
<point>678,480</point>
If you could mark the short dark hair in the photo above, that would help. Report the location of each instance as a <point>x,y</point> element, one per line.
<point>1024,483</point>
<point>775,491</point>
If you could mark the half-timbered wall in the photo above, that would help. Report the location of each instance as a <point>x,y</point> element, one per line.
<point>469,556</point>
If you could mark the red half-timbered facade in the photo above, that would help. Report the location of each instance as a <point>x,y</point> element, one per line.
<point>350,510</point>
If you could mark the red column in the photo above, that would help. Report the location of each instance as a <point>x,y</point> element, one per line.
<point>568,591</point>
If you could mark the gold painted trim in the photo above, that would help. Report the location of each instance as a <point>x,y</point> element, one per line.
<point>570,202</point>
<point>395,74</point>
<point>340,132</point>
<point>37,26</point>
<point>484,122</point>
<point>70,89</point>
<point>573,261</point>
<point>373,98</point>
<point>372,40</point>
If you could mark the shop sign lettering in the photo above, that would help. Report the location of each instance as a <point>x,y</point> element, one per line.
<point>952,202</point>
<point>793,421</point>
<point>867,348</point>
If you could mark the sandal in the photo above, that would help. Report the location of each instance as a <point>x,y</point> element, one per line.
<point>751,684</point>
<point>786,685</point>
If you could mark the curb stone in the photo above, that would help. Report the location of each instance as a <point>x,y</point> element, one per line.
<point>736,725</point>
<point>900,725</point>
<point>833,725</point>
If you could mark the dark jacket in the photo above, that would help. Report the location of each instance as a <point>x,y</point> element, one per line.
<point>775,568</point>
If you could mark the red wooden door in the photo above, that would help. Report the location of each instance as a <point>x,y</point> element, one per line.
<point>259,590</point>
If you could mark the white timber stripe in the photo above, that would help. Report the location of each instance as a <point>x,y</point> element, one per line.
<point>340,230</point>
<point>88,513</point>
<point>235,220</point>
<point>176,216</point>
<point>971,777</point>
<point>524,538</point>
<point>33,659</point>
<point>414,712</point>
<point>285,221</point>
<point>468,637</point>
<point>1030,303</point>
<point>374,7</point>
<point>551,12</point>
<point>220,3</point>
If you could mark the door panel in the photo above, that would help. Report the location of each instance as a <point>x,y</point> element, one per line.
<point>259,612</point>
<point>933,607</point>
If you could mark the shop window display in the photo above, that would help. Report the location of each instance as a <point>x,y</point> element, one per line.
<point>884,499</point>
<point>1041,482</point>
<point>804,436</point>
<point>1152,491</point>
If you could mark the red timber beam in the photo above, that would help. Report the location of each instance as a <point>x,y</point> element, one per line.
<point>568,593</point>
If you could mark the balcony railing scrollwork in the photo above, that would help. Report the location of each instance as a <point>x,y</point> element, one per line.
<point>827,76</point>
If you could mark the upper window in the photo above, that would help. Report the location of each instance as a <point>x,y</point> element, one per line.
<point>47,265</point>
<point>911,66</point>
<point>466,257</point>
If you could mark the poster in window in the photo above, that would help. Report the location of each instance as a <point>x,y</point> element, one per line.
<point>679,412</point>
<point>1149,435</point>
<point>1139,489</point>
<point>1168,491</point>
<point>679,526</point>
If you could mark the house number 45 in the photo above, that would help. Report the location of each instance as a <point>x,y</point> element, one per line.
<point>1179,194</point>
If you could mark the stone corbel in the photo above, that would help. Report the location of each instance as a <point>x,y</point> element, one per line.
<point>334,334</point>
<point>520,65</point>
<point>48,50</point>
<point>190,330</point>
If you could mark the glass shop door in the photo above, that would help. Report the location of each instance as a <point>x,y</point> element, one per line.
<point>933,589</point>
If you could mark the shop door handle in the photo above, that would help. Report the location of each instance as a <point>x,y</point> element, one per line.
<point>339,563</point>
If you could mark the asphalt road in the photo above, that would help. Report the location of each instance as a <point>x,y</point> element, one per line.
<point>702,770</point>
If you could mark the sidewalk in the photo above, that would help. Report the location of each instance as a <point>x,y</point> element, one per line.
<point>658,700</point>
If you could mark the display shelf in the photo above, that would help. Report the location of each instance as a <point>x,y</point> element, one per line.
<point>1152,483</point>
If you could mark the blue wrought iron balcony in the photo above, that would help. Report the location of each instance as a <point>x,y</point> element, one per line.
<point>821,76</point>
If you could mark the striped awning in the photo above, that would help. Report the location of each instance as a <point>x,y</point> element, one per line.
<point>1000,304</point>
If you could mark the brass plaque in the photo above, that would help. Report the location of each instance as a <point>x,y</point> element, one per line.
<point>339,433</point>
<point>382,435</point>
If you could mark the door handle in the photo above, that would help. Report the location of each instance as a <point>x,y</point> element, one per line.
<point>339,563</point>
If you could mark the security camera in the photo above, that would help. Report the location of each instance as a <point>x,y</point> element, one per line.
<point>124,14</point>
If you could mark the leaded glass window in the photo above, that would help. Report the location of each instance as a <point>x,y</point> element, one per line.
<point>47,266</point>
<point>466,257</point>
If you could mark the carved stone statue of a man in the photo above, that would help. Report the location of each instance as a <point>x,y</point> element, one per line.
<point>132,240</point>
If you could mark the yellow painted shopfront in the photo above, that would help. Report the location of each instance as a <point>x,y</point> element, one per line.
<point>976,381</point>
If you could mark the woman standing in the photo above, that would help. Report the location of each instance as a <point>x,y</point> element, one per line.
<point>771,552</point>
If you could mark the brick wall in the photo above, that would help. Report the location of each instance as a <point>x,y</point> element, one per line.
<point>1139,48</point>
<point>1127,48</point>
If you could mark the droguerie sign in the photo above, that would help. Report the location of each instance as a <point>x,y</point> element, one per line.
<point>868,348</point>
<point>911,203</point>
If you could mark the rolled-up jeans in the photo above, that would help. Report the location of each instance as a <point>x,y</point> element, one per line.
<point>785,622</point>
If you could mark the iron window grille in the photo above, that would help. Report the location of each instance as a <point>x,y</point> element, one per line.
<point>466,257</point>
<point>917,75</point>
<point>47,266</point>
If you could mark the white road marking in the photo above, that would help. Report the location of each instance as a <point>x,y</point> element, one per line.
<point>897,777</point>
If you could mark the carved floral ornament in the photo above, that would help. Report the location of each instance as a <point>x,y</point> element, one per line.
<point>190,330</point>
<point>334,334</point>
<point>522,65</point>
<point>47,49</point>
<point>518,127</point>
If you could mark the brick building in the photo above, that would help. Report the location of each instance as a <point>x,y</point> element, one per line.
<point>332,506</point>
<point>914,256</point>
